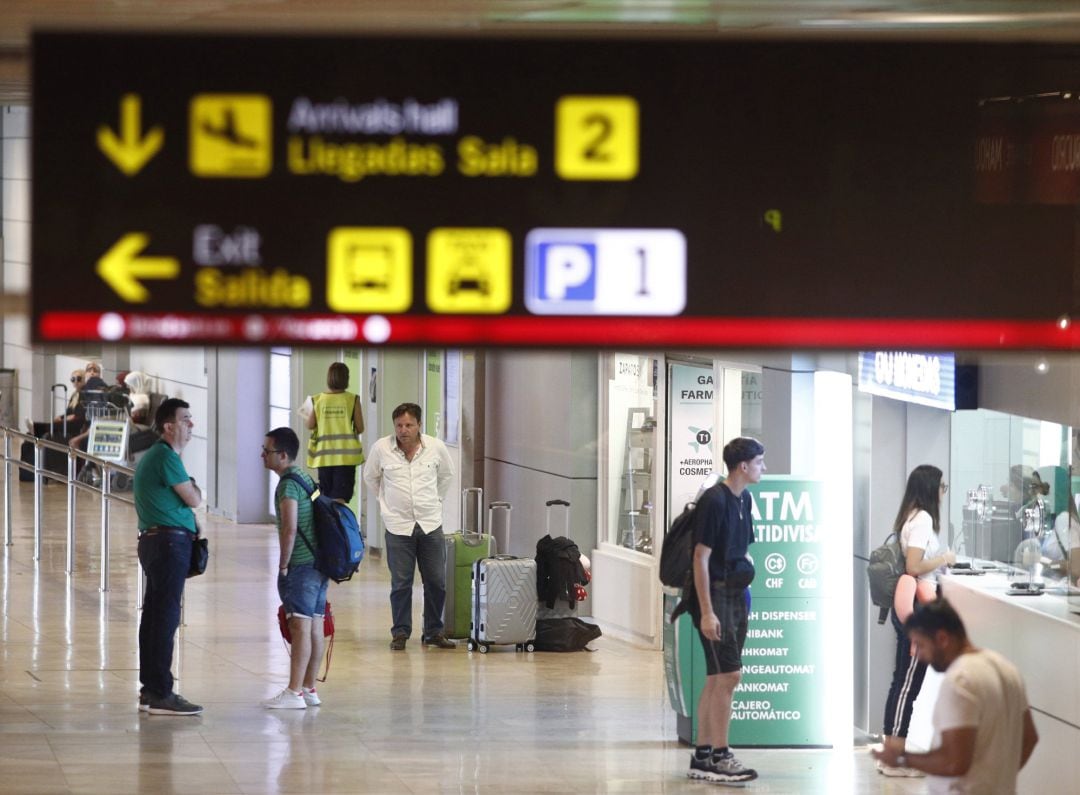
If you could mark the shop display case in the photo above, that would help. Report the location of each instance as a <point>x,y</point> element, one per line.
<point>1018,508</point>
<point>635,502</point>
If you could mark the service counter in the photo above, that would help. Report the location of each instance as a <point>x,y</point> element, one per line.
<point>1041,636</point>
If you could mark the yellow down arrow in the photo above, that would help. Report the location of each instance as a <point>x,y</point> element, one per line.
<point>122,267</point>
<point>130,151</point>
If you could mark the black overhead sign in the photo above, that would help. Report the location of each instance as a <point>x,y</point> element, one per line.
<point>448,191</point>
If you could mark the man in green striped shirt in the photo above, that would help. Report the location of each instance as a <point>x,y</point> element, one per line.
<point>301,587</point>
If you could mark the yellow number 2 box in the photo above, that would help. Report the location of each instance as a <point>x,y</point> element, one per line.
<point>596,138</point>
<point>469,270</point>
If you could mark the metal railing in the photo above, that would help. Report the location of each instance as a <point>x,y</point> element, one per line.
<point>107,469</point>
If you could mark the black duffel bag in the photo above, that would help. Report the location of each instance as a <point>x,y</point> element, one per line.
<point>565,634</point>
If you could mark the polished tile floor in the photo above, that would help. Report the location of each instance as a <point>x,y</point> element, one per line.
<point>421,721</point>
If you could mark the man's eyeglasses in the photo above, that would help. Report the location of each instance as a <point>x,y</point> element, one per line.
<point>268,451</point>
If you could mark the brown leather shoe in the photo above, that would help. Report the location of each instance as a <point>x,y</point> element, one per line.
<point>440,641</point>
<point>398,643</point>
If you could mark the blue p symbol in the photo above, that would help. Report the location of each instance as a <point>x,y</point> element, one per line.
<point>567,271</point>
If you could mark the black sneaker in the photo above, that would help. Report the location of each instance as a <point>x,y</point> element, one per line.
<point>398,643</point>
<point>173,704</point>
<point>728,768</point>
<point>440,641</point>
<point>701,768</point>
<point>144,702</point>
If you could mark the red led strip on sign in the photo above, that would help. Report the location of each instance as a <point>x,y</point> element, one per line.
<point>529,331</point>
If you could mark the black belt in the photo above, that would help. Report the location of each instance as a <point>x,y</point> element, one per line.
<point>153,531</point>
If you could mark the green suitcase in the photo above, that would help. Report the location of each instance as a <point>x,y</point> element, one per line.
<point>464,548</point>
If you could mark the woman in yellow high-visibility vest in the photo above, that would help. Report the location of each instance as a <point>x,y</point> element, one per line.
<point>336,422</point>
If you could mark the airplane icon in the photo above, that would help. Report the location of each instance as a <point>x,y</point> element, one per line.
<point>228,130</point>
<point>231,135</point>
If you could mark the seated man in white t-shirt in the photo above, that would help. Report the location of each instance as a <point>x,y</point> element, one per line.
<point>1061,545</point>
<point>983,730</point>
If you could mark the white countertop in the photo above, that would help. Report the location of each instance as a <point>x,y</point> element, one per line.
<point>1052,603</point>
<point>1041,635</point>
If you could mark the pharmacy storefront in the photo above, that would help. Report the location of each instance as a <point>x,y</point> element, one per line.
<point>666,419</point>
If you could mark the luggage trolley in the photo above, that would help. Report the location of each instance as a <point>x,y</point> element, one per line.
<point>108,440</point>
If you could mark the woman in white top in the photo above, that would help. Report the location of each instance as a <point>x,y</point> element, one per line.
<point>917,525</point>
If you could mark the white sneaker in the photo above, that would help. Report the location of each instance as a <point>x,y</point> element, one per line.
<point>898,772</point>
<point>286,699</point>
<point>311,698</point>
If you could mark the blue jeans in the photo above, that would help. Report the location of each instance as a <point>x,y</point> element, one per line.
<point>403,553</point>
<point>165,557</point>
<point>303,591</point>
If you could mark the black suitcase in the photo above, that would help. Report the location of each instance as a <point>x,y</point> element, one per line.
<point>54,460</point>
<point>26,455</point>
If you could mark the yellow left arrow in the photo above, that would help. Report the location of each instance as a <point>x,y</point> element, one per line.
<point>130,151</point>
<point>122,268</point>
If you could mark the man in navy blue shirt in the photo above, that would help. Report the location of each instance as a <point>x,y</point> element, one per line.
<point>723,571</point>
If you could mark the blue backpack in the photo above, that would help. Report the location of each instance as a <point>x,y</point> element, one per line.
<point>340,545</point>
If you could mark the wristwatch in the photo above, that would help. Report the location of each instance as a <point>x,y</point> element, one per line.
<point>901,760</point>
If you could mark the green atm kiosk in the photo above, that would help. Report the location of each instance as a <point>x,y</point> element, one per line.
<point>782,697</point>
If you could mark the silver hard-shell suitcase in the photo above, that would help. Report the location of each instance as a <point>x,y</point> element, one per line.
<point>504,603</point>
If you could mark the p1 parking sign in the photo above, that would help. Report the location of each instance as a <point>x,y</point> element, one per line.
<point>605,271</point>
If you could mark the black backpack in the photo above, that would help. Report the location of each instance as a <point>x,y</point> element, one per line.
<point>883,572</point>
<point>677,554</point>
<point>558,571</point>
<point>340,545</point>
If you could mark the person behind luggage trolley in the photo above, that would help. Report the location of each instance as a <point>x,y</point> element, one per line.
<point>335,422</point>
<point>411,474</point>
<point>301,587</point>
<point>164,497</point>
<point>722,575</point>
<point>71,411</point>
<point>94,381</point>
<point>916,526</point>
<point>94,391</point>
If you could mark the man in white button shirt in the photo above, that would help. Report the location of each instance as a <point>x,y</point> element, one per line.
<point>411,472</point>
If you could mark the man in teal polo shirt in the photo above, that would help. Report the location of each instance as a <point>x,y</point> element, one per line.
<point>164,499</point>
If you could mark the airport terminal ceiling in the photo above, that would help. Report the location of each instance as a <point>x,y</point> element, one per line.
<point>1038,20</point>
<point>973,20</point>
